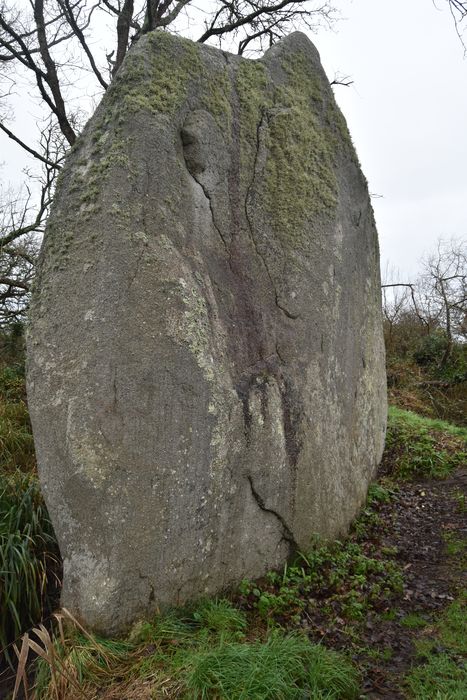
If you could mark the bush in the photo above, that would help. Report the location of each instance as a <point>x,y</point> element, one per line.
<point>430,349</point>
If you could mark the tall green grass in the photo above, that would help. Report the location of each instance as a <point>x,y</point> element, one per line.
<point>28,555</point>
<point>286,667</point>
<point>201,654</point>
<point>16,442</point>
<point>422,447</point>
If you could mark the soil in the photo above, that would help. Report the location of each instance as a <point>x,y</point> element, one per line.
<point>417,521</point>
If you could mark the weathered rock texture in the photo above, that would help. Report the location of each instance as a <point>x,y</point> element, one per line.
<point>206,366</point>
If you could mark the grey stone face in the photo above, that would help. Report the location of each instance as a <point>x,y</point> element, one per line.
<point>206,367</point>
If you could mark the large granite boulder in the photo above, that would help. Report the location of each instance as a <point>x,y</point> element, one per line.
<point>206,368</point>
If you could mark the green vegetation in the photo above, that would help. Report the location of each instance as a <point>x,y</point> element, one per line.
<point>456,547</point>
<point>198,653</point>
<point>28,555</point>
<point>418,379</point>
<point>342,578</point>
<point>16,443</point>
<point>440,678</point>
<point>443,671</point>
<point>414,621</point>
<point>422,447</point>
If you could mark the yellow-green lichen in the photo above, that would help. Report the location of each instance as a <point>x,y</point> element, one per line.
<point>300,176</point>
<point>193,328</point>
<point>254,97</point>
<point>157,79</point>
<point>93,168</point>
<point>216,96</point>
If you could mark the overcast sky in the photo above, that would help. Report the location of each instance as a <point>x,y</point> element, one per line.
<point>407,113</point>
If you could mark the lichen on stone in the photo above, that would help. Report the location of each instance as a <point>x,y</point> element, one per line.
<point>157,80</point>
<point>215,97</point>
<point>300,174</point>
<point>193,327</point>
<point>252,84</point>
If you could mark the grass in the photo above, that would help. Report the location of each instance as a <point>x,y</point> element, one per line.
<point>456,547</point>
<point>442,673</point>
<point>440,678</point>
<point>16,442</point>
<point>414,621</point>
<point>200,653</point>
<point>418,447</point>
<point>28,555</point>
<point>286,667</point>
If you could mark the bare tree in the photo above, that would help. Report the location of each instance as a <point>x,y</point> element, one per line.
<point>18,255</point>
<point>435,302</point>
<point>22,221</point>
<point>54,41</point>
<point>445,284</point>
<point>395,301</point>
<point>458,11</point>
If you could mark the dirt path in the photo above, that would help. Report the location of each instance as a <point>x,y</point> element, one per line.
<point>422,521</point>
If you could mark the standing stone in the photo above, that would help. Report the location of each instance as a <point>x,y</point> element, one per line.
<point>206,367</point>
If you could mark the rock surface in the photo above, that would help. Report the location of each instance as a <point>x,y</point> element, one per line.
<point>206,367</point>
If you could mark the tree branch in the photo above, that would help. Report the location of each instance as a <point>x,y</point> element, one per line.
<point>71,19</point>
<point>27,148</point>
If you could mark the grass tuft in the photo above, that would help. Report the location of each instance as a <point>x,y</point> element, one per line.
<point>422,447</point>
<point>16,442</point>
<point>286,667</point>
<point>28,555</point>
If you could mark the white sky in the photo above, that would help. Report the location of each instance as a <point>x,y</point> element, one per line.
<point>407,113</point>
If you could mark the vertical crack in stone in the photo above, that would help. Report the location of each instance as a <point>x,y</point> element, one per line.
<point>287,534</point>
<point>211,209</point>
<point>261,125</point>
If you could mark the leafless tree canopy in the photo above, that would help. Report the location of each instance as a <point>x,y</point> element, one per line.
<point>459,13</point>
<point>52,41</point>
<point>436,300</point>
